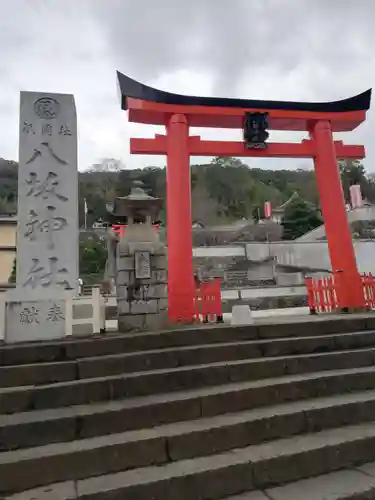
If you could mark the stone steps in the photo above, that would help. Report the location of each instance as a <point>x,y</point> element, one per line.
<point>114,364</point>
<point>39,427</point>
<point>202,413</point>
<point>83,391</point>
<point>174,442</point>
<point>249,468</point>
<point>112,344</point>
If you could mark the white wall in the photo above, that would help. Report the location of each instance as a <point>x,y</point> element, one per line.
<point>224,251</point>
<point>313,254</point>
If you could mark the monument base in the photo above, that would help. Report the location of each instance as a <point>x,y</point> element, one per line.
<point>35,316</point>
<point>142,301</point>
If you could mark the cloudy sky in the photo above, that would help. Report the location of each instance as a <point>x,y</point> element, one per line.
<point>268,49</point>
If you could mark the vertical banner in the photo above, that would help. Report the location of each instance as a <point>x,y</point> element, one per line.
<point>356,196</point>
<point>267,210</point>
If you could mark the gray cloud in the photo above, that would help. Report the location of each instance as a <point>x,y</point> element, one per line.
<point>276,49</point>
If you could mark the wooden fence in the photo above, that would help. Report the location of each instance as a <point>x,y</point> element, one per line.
<point>323,296</point>
<point>207,302</point>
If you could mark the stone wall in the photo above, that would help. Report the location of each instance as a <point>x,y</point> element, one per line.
<point>142,303</point>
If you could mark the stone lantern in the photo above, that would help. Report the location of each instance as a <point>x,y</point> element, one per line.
<point>140,263</point>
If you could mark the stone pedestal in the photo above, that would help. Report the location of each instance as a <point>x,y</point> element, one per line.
<point>241,315</point>
<point>141,297</point>
<point>140,263</point>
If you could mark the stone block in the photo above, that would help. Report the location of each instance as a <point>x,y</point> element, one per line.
<point>25,434</point>
<point>30,318</point>
<point>353,340</point>
<point>96,347</point>
<point>156,321</point>
<point>279,347</point>
<point>122,292</point>
<point>71,393</point>
<point>216,354</point>
<point>157,291</point>
<point>227,437</point>
<point>346,484</point>
<point>162,305</point>
<point>128,322</point>
<point>158,262</point>
<point>159,275</point>
<point>123,278</point>
<point>81,462</point>
<point>123,306</point>
<point>142,246</point>
<point>32,353</point>
<point>126,417</point>
<point>36,374</point>
<point>17,399</point>
<point>125,263</point>
<point>144,307</point>
<point>241,315</point>
<point>60,491</point>
<point>126,363</point>
<point>257,369</point>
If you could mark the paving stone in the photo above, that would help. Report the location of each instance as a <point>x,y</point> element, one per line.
<point>62,461</point>
<point>33,353</point>
<point>16,399</point>
<point>368,468</point>
<point>37,374</point>
<point>342,485</point>
<point>233,431</point>
<point>253,467</point>
<point>279,347</point>
<point>36,433</point>
<point>353,340</point>
<point>126,363</point>
<point>173,380</point>
<point>61,491</point>
<point>250,495</point>
<point>71,393</point>
<point>120,417</point>
<point>216,353</point>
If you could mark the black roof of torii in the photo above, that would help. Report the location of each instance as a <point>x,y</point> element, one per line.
<point>136,90</point>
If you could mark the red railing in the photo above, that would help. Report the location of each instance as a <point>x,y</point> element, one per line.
<point>324,293</point>
<point>368,282</point>
<point>207,303</point>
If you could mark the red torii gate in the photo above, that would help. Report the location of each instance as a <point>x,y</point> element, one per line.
<point>177,113</point>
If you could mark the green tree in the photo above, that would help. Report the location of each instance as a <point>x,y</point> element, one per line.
<point>12,277</point>
<point>352,172</point>
<point>299,218</point>
<point>92,257</point>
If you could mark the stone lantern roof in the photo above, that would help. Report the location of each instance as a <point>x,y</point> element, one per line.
<point>136,204</point>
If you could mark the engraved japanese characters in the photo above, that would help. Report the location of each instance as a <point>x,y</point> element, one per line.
<point>47,235</point>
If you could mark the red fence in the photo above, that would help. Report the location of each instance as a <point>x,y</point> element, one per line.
<point>323,293</point>
<point>207,303</point>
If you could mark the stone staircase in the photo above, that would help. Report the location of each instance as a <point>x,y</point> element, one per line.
<point>280,412</point>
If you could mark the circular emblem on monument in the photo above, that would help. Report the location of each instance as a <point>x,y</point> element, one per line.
<point>46,108</point>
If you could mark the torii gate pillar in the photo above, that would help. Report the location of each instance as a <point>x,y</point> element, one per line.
<point>337,228</point>
<point>179,222</point>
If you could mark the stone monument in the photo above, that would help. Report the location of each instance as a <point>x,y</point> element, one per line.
<point>47,230</point>
<point>140,263</point>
